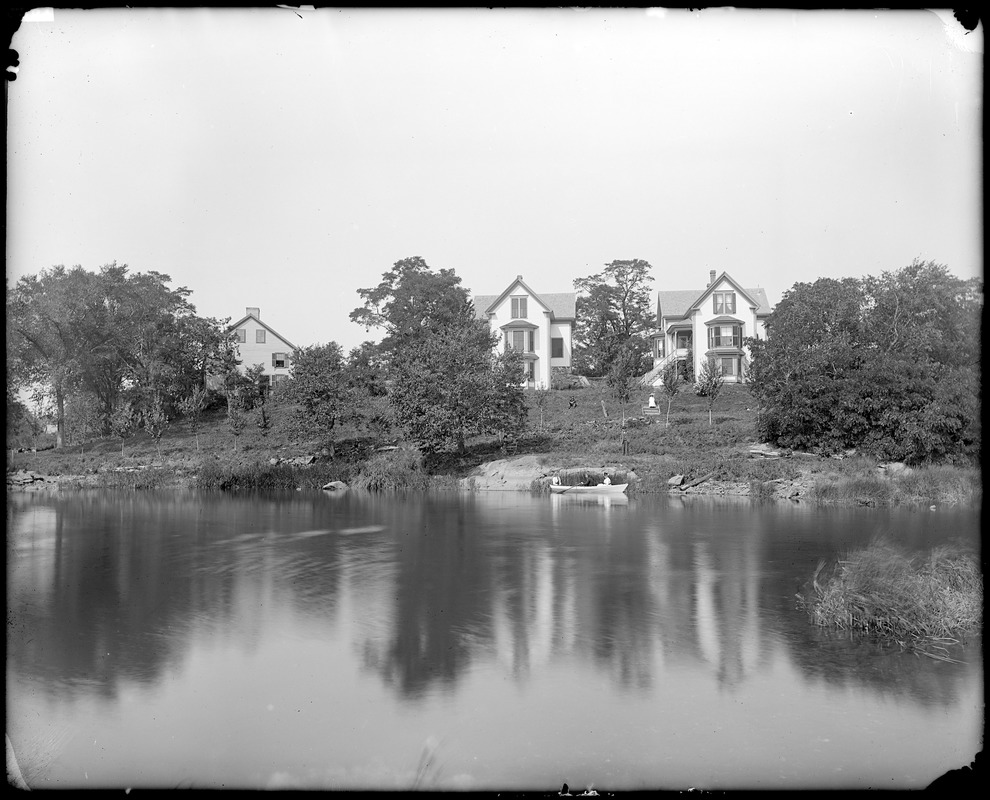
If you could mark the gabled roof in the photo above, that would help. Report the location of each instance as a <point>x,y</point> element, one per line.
<point>268,328</point>
<point>561,305</point>
<point>680,303</point>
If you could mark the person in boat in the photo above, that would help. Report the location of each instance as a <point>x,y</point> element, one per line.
<point>606,479</point>
<point>555,480</point>
<point>652,402</point>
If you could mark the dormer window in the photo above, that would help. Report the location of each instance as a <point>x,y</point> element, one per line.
<point>519,308</point>
<point>724,302</point>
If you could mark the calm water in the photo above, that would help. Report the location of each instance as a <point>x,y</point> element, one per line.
<point>493,641</point>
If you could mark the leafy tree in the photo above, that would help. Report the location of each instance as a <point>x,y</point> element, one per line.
<point>192,406</point>
<point>541,397</point>
<point>671,385</point>
<point>451,386</point>
<point>622,373</point>
<point>446,383</point>
<point>709,384</point>
<point>74,332</point>
<point>319,386</point>
<point>888,365</point>
<point>412,302</point>
<point>156,421</point>
<point>615,314</point>
<point>124,422</point>
<point>55,327</point>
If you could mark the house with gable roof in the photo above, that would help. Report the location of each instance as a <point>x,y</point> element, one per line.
<point>540,326</point>
<point>259,343</point>
<point>708,324</point>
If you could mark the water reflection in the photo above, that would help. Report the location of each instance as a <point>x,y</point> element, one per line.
<point>114,590</point>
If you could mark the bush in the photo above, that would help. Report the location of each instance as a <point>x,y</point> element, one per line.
<point>399,469</point>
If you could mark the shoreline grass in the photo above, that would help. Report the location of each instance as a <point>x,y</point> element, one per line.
<point>921,601</point>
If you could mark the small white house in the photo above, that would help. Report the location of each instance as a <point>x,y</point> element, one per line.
<point>708,324</point>
<point>259,343</point>
<point>540,326</point>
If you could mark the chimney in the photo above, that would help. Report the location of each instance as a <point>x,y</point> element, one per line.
<point>256,312</point>
<point>711,277</point>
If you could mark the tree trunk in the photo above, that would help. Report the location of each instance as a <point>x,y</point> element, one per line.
<point>59,418</point>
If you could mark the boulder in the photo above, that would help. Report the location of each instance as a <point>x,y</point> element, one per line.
<point>676,480</point>
<point>335,486</point>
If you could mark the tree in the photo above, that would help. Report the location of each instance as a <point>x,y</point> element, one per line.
<point>709,384</point>
<point>622,372</point>
<point>412,302</point>
<point>124,422</point>
<point>451,386</point>
<point>614,313</point>
<point>671,385</point>
<point>192,406</point>
<point>541,396</point>
<point>888,365</point>
<point>74,332</point>
<point>319,386</point>
<point>55,327</point>
<point>446,384</point>
<point>156,421</point>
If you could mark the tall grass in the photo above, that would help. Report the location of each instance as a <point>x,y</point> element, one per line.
<point>927,485</point>
<point>402,469</point>
<point>884,591</point>
<point>229,477</point>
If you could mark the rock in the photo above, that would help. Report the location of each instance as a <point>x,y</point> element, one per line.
<point>676,480</point>
<point>335,486</point>
<point>274,461</point>
<point>899,468</point>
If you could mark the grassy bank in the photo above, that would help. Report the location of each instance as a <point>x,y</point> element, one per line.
<point>920,601</point>
<point>567,429</point>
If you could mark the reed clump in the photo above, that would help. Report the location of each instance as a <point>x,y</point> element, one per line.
<point>399,470</point>
<point>884,591</point>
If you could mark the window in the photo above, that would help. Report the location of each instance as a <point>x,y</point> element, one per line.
<point>280,360</point>
<point>725,336</point>
<point>728,366</point>
<point>259,337</point>
<point>519,308</point>
<point>523,341</point>
<point>683,340</point>
<point>242,335</point>
<point>529,369</point>
<point>557,347</point>
<point>725,302</point>
<point>277,379</point>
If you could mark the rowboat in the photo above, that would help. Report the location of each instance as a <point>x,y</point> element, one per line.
<point>601,488</point>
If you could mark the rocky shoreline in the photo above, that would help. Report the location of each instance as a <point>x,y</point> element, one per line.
<point>523,473</point>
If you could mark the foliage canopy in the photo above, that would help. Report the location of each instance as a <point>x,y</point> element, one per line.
<point>888,365</point>
<point>615,317</point>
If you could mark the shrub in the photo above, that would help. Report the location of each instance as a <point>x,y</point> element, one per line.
<point>397,470</point>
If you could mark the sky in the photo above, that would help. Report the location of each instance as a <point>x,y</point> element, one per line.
<point>284,158</point>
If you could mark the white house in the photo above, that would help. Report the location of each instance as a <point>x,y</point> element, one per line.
<point>258,343</point>
<point>540,326</point>
<point>710,323</point>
